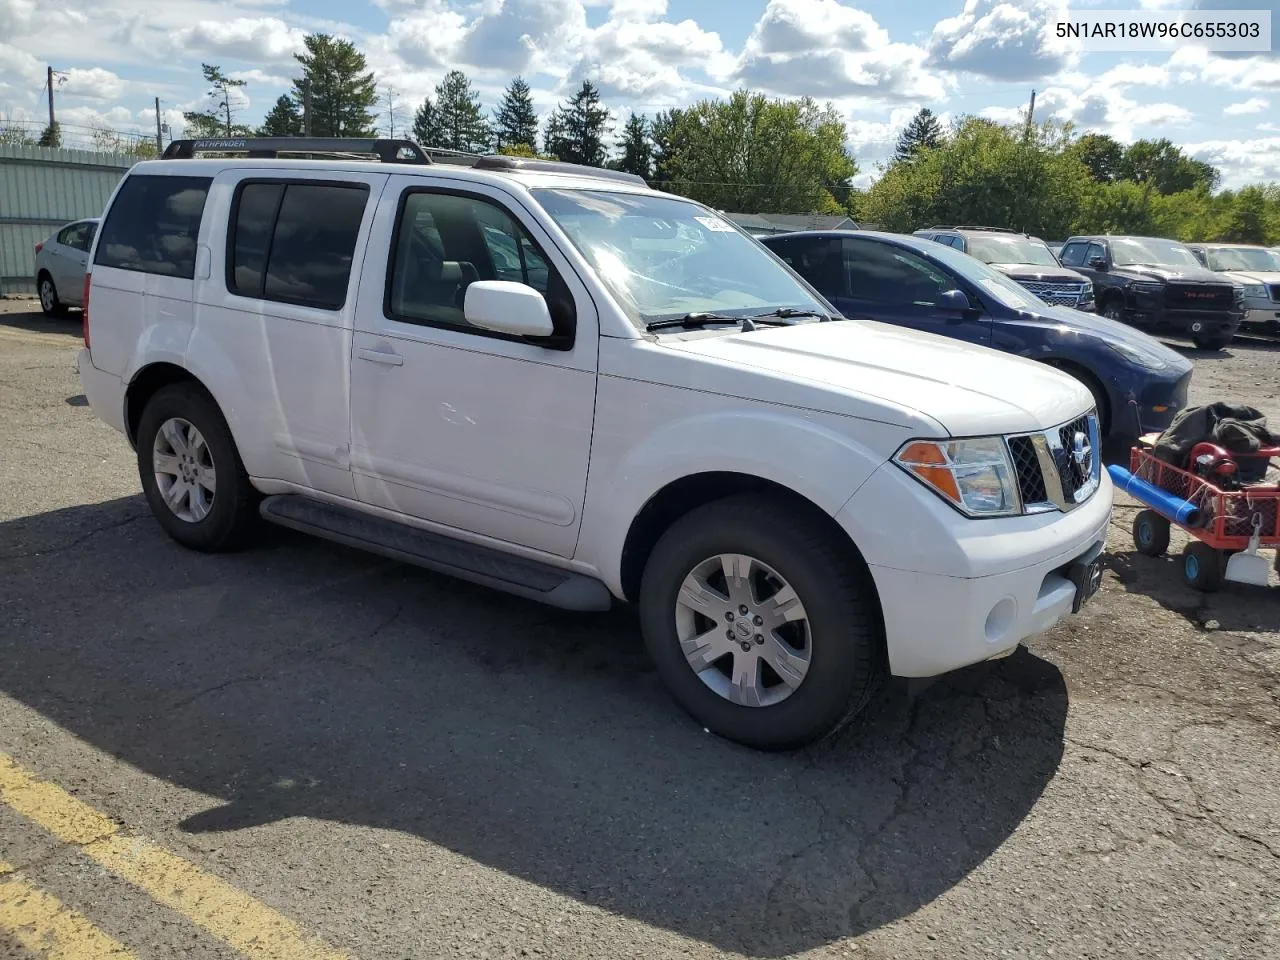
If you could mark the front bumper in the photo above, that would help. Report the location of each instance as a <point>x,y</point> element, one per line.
<point>1261,313</point>
<point>955,591</point>
<point>1201,323</point>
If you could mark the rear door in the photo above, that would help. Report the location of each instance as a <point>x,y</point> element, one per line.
<point>886,282</point>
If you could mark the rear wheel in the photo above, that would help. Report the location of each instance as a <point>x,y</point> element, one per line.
<point>50,305</point>
<point>191,472</point>
<point>1151,533</point>
<point>762,626</point>
<point>1202,567</point>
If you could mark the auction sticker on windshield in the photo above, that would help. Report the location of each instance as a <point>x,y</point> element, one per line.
<point>711,223</point>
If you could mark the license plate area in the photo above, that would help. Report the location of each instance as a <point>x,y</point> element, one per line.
<point>1087,577</point>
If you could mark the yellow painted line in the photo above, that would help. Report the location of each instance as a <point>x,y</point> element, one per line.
<point>231,915</point>
<point>50,930</point>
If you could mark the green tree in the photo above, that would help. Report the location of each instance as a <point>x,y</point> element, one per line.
<point>1102,154</point>
<point>51,136</point>
<point>637,149</point>
<point>523,150</point>
<point>924,132</point>
<point>516,122</point>
<point>1164,166</point>
<point>426,124</point>
<point>753,154</point>
<point>665,134</point>
<point>458,118</point>
<point>15,135</point>
<point>218,119</point>
<point>343,89</point>
<point>576,129</point>
<point>989,174</point>
<point>284,119</point>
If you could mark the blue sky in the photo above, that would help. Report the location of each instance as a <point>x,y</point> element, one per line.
<point>878,61</point>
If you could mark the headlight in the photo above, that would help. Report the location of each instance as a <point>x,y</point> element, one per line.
<point>1255,290</point>
<point>1087,294</point>
<point>975,476</point>
<point>1142,286</point>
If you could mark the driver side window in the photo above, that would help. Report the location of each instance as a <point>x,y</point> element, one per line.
<point>884,273</point>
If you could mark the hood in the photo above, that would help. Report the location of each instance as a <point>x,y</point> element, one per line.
<point>1038,271</point>
<point>1132,342</point>
<point>1252,277</point>
<point>868,369</point>
<point>1155,272</point>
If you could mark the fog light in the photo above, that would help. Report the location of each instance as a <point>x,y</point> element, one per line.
<point>1160,409</point>
<point>1000,620</point>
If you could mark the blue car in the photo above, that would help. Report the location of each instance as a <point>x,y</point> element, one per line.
<point>1137,382</point>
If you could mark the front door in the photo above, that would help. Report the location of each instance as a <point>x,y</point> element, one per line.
<point>891,283</point>
<point>481,432</point>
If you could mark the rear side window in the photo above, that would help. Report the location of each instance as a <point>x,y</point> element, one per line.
<point>294,242</point>
<point>153,225</point>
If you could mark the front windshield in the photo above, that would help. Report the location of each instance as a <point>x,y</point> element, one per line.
<point>663,258</point>
<point>1011,249</point>
<point>1257,259</point>
<point>1152,252</point>
<point>993,283</point>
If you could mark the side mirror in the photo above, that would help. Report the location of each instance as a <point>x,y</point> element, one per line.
<point>506,307</point>
<point>956,300</point>
<point>1098,263</point>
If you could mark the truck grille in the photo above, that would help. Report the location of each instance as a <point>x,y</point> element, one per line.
<point>1195,296</point>
<point>1059,468</point>
<point>1056,292</point>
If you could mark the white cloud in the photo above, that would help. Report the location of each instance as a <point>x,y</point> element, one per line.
<point>1003,40</point>
<point>250,39</point>
<point>93,84</point>
<point>1252,105</point>
<point>1197,65</point>
<point>1241,161</point>
<point>827,49</point>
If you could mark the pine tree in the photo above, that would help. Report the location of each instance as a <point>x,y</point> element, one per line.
<point>343,88</point>
<point>923,132</point>
<point>219,119</point>
<point>637,149</point>
<point>51,136</point>
<point>516,122</point>
<point>575,131</point>
<point>283,120</point>
<point>426,125</point>
<point>458,116</point>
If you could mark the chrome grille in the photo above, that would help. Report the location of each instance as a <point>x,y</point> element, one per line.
<point>1057,293</point>
<point>1059,468</point>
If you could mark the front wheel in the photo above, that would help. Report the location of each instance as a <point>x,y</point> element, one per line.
<point>1151,533</point>
<point>191,471</point>
<point>1216,342</point>
<point>1113,309</point>
<point>761,624</point>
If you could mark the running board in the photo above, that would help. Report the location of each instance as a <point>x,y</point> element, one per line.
<point>466,561</point>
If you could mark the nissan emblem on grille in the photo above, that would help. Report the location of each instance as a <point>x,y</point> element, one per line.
<point>1081,458</point>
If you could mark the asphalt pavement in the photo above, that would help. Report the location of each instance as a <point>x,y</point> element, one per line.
<point>303,751</point>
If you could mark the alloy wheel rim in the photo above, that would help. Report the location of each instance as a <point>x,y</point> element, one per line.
<point>184,470</point>
<point>46,295</point>
<point>743,630</point>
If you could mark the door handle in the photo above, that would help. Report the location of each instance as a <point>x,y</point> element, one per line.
<point>380,356</point>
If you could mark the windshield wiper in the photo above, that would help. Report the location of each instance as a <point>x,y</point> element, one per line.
<point>788,313</point>
<point>691,321</point>
<point>777,318</point>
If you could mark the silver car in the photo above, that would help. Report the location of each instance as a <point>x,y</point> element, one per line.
<point>60,266</point>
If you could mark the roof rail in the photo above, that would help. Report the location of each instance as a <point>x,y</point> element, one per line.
<point>387,151</point>
<point>518,164</point>
<point>963,226</point>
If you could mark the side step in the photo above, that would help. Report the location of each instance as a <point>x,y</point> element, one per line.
<point>466,561</point>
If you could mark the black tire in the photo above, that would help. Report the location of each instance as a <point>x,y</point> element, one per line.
<point>233,511</point>
<point>1216,342</point>
<point>1151,533</point>
<point>1113,309</point>
<point>1202,567</point>
<point>846,644</point>
<point>50,304</point>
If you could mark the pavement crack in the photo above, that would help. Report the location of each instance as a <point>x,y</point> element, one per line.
<point>71,544</point>
<point>234,681</point>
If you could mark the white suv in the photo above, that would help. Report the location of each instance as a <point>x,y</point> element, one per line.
<point>557,382</point>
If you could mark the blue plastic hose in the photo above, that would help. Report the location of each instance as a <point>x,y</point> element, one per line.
<point>1182,512</point>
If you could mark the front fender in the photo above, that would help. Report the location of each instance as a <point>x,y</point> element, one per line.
<point>813,455</point>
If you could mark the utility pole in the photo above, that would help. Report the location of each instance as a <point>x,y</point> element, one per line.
<point>306,108</point>
<point>49,82</point>
<point>159,131</point>
<point>391,112</point>
<point>1031,110</point>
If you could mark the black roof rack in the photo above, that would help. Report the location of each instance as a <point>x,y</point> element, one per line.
<point>518,164</point>
<point>387,151</point>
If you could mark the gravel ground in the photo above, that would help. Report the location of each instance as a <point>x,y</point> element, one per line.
<point>411,767</point>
